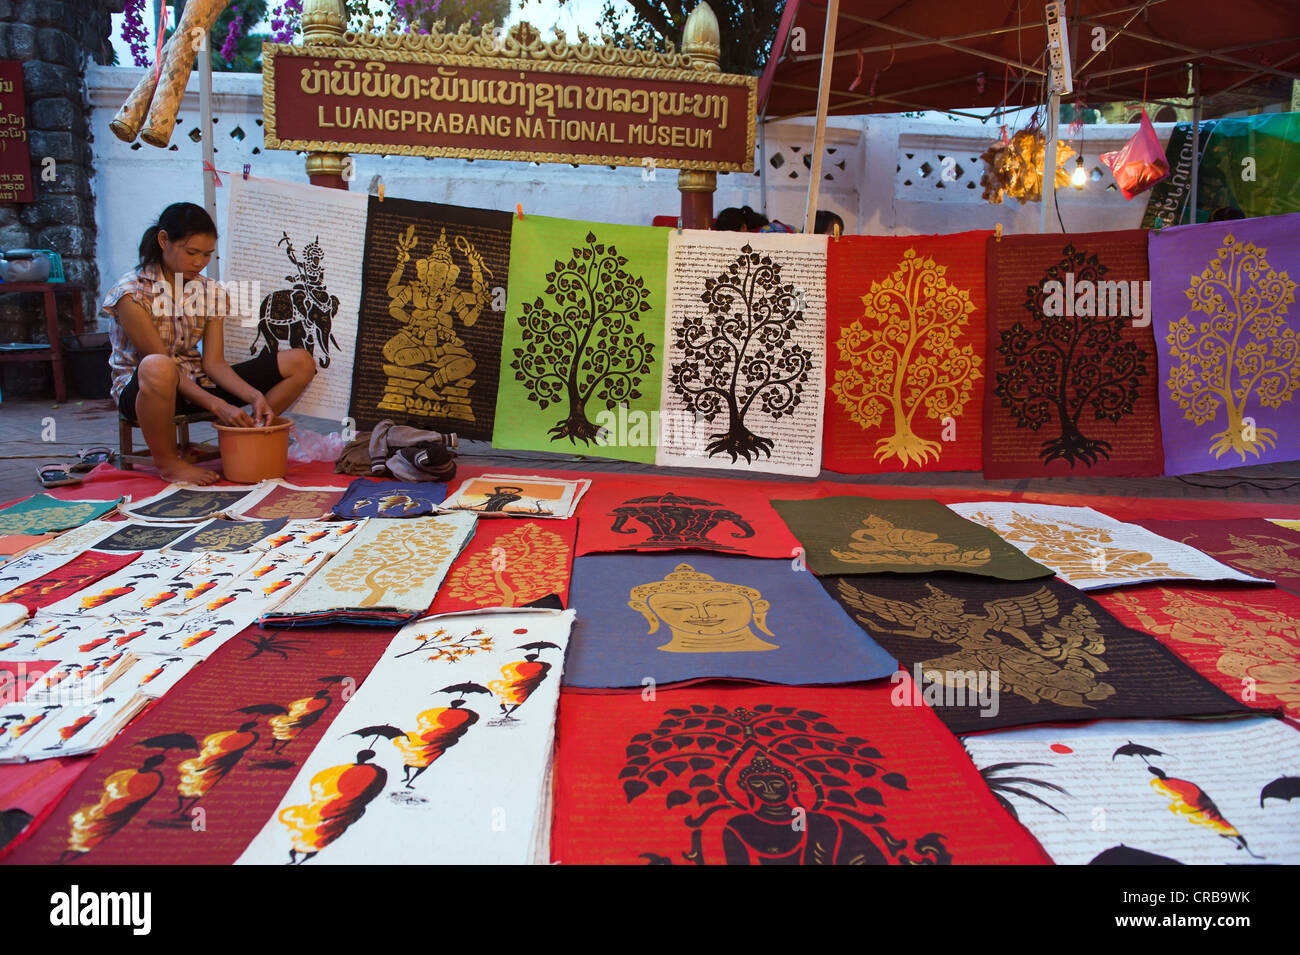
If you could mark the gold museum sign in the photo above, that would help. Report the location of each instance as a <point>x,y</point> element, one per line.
<point>496,96</point>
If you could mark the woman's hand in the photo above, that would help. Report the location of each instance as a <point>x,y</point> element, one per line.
<point>262,413</point>
<point>232,417</point>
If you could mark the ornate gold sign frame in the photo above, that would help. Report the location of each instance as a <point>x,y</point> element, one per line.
<point>523,48</point>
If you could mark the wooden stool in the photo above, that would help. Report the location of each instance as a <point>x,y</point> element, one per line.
<point>53,352</point>
<point>127,460</point>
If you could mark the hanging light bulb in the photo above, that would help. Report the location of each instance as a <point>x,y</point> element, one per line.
<point>1080,175</point>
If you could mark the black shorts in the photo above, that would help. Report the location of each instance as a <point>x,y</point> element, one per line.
<point>262,372</point>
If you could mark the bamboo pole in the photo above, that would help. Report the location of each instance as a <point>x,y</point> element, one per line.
<point>823,101</point>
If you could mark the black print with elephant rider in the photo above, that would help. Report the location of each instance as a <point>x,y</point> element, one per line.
<point>301,316</point>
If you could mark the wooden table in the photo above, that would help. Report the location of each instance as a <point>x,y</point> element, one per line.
<point>54,352</point>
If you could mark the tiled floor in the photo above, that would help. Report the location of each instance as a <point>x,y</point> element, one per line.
<point>33,432</point>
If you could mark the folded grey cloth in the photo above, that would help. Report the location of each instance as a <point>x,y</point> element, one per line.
<point>412,454</point>
<point>423,462</point>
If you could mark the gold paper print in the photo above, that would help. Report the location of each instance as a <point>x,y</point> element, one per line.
<point>1058,663</point>
<point>396,561</point>
<point>1264,554</point>
<point>521,566</point>
<point>1258,644</point>
<point>67,515</point>
<point>705,615</point>
<point>142,538</point>
<point>880,542</point>
<point>910,360</point>
<point>428,366</point>
<point>1242,350</point>
<point>228,538</point>
<point>1076,551</point>
<point>307,505</point>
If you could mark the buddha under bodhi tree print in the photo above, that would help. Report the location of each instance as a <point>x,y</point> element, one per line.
<point>742,775</point>
<point>583,338</point>
<point>746,336</point>
<point>1071,385</point>
<point>905,353</point>
<point>1228,337</point>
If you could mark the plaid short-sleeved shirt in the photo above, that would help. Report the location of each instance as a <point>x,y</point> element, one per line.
<point>181,333</point>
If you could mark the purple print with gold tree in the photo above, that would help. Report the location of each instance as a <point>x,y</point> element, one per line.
<point>1224,316</point>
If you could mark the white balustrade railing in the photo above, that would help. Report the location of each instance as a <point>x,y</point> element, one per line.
<point>882,174</point>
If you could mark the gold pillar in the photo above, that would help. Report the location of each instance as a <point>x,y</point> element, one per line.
<point>323,23</point>
<point>701,42</point>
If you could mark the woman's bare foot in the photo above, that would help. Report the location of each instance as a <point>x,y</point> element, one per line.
<point>182,472</point>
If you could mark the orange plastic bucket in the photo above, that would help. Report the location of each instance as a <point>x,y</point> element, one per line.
<point>249,455</point>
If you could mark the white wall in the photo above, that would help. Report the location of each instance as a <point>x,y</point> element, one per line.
<point>868,177</point>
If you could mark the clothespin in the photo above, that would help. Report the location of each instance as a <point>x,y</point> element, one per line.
<point>248,167</point>
<point>381,190</point>
<point>997,232</point>
<point>376,187</point>
<point>519,210</point>
<point>679,225</point>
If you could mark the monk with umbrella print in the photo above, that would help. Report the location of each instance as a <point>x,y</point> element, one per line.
<point>519,679</point>
<point>125,794</point>
<point>219,754</point>
<point>437,730</point>
<point>339,796</point>
<point>108,594</point>
<point>301,714</point>
<point>1186,799</point>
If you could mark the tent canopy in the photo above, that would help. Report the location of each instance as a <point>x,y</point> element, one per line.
<point>966,55</point>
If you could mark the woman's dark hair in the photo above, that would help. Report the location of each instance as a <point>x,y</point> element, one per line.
<point>755,220</point>
<point>743,219</point>
<point>1226,214</point>
<point>180,220</point>
<point>730,219</point>
<point>826,221</point>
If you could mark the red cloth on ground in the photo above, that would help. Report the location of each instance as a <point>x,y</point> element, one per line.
<point>32,787</point>
<point>680,778</point>
<point>106,482</point>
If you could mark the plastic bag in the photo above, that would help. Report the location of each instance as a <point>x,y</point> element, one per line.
<point>309,446</point>
<point>1140,163</point>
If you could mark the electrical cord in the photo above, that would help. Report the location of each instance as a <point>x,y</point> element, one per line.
<point>1245,482</point>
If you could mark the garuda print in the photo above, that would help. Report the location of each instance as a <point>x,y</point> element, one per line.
<point>1038,652</point>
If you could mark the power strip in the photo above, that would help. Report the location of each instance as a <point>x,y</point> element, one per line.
<point>1058,49</point>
